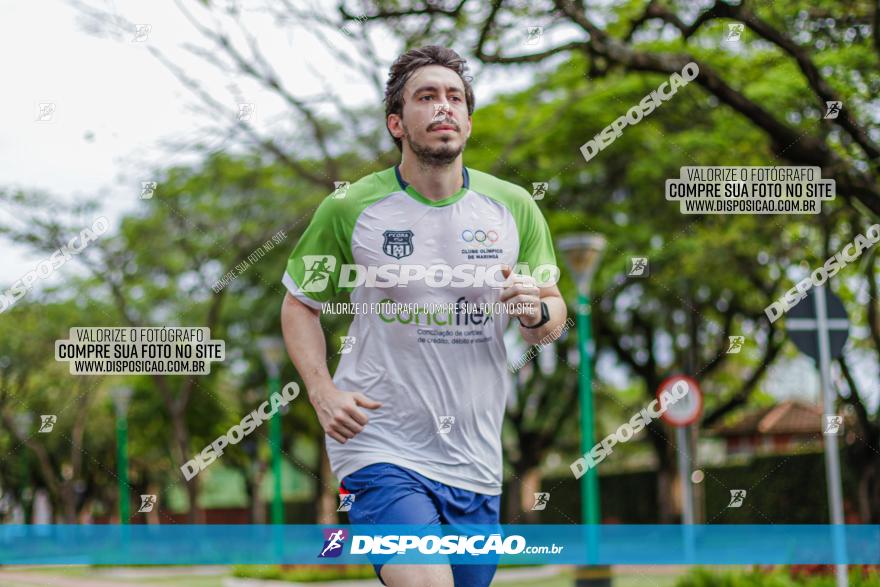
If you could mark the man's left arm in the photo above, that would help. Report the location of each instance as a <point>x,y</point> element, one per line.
<point>523,293</point>
<point>523,298</point>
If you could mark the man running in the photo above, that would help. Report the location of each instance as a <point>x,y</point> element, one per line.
<point>414,411</point>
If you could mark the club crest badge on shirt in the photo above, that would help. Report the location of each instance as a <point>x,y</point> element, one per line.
<point>398,243</point>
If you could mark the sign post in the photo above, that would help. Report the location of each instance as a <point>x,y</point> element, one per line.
<point>819,327</point>
<point>682,414</point>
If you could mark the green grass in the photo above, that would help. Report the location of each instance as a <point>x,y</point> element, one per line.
<point>566,579</point>
<point>305,573</point>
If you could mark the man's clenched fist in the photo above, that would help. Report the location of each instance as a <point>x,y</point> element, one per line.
<point>339,412</point>
<point>521,295</point>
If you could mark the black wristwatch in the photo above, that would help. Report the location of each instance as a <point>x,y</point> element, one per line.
<point>545,317</point>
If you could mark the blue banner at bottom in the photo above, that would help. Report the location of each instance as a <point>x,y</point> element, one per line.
<point>506,544</point>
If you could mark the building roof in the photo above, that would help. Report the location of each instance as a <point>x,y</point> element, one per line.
<point>788,417</point>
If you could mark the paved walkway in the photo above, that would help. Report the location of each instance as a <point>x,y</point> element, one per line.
<point>111,577</point>
<point>22,578</point>
<point>135,576</point>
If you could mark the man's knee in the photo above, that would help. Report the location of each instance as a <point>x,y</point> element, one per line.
<point>417,575</point>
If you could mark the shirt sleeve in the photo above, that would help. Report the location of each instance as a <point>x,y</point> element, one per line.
<point>313,268</point>
<point>536,244</point>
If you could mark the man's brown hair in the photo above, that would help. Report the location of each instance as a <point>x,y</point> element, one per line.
<point>413,59</point>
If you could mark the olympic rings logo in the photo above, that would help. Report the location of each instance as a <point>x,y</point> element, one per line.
<point>479,235</point>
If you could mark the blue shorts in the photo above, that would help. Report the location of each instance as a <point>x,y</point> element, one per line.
<point>388,494</point>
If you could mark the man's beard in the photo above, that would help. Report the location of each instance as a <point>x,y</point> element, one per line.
<point>433,157</point>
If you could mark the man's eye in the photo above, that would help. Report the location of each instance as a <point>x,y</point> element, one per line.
<point>426,96</point>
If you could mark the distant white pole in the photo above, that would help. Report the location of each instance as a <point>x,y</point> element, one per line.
<point>832,457</point>
<point>684,472</point>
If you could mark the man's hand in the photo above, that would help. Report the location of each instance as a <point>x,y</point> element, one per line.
<point>338,411</point>
<point>522,296</point>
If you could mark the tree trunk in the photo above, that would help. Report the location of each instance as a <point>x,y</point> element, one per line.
<point>515,494</point>
<point>196,514</point>
<point>869,492</point>
<point>68,502</point>
<point>181,443</point>
<point>666,495</point>
<point>153,515</point>
<point>530,485</point>
<point>258,508</point>
<point>666,508</point>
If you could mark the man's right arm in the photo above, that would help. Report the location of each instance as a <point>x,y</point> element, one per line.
<point>338,411</point>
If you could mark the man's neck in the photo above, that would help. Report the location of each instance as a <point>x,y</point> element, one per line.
<point>434,183</point>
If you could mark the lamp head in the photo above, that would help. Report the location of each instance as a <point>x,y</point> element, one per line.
<point>582,252</point>
<point>121,397</point>
<point>273,353</point>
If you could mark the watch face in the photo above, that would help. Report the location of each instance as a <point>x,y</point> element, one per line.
<point>545,316</point>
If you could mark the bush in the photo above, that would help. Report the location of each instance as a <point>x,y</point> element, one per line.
<point>304,573</point>
<point>780,577</point>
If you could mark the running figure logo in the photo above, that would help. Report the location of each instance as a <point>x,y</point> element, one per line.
<point>539,189</point>
<point>246,111</point>
<point>347,344</point>
<point>638,267</point>
<point>346,500</point>
<point>444,424</point>
<point>318,270</point>
<point>735,31</point>
<point>46,111</point>
<point>832,108</point>
<point>341,189</point>
<point>440,113</point>
<point>147,189</point>
<point>833,425</point>
<point>141,32</point>
<point>541,500</point>
<point>534,35</point>
<point>147,503</point>
<point>737,496</point>
<point>736,344</point>
<point>333,540</point>
<point>47,423</point>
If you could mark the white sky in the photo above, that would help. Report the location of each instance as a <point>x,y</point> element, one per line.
<point>130,102</point>
<point>115,103</point>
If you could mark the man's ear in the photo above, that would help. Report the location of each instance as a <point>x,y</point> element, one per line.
<point>394,126</point>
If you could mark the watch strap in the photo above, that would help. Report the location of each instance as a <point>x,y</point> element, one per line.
<point>545,317</point>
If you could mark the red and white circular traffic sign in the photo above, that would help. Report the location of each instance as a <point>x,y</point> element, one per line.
<point>689,408</point>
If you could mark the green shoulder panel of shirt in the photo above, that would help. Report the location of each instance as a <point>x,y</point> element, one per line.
<point>330,231</point>
<point>535,242</point>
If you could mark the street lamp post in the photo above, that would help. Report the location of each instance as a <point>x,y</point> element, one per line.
<point>582,253</point>
<point>121,398</point>
<point>22,423</point>
<point>273,353</point>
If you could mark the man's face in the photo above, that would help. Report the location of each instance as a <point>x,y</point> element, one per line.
<point>435,121</point>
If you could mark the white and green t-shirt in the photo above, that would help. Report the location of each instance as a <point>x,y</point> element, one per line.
<point>441,376</point>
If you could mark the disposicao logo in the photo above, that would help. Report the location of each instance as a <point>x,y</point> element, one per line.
<point>333,542</point>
